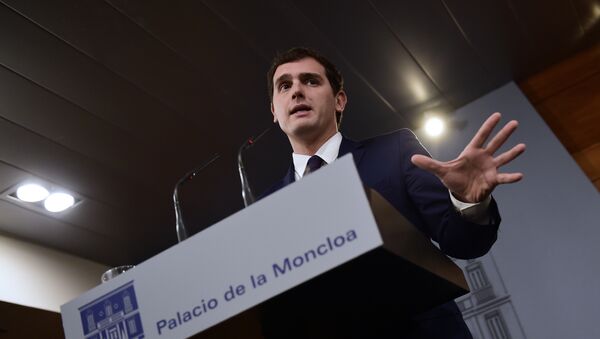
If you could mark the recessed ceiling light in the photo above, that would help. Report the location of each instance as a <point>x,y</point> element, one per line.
<point>58,202</point>
<point>434,126</point>
<point>32,193</point>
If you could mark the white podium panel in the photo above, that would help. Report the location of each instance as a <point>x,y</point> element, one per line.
<point>293,235</point>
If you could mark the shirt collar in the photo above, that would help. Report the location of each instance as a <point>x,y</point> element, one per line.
<point>328,152</point>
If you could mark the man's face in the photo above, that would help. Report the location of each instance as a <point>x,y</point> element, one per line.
<point>304,104</point>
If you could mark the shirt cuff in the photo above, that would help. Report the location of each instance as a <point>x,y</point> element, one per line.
<point>474,212</point>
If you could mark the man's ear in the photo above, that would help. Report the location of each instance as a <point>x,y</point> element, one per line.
<point>340,101</point>
<point>273,112</point>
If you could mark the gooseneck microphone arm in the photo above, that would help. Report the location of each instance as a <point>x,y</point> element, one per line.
<point>179,225</point>
<point>247,194</point>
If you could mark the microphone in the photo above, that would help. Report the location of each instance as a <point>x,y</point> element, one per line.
<point>247,194</point>
<point>179,226</point>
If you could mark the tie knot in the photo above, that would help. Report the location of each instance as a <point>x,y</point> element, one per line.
<point>314,163</point>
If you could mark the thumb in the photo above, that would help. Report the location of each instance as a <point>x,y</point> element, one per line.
<point>426,163</point>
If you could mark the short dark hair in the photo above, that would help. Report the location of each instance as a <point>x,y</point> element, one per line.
<point>298,53</point>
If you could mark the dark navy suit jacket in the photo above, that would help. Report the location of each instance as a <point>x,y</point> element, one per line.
<point>384,164</point>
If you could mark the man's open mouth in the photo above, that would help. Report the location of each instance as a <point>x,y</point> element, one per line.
<point>299,108</point>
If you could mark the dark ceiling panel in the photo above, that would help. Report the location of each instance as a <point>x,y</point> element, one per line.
<point>270,26</point>
<point>61,235</point>
<point>430,34</point>
<point>553,27</point>
<point>68,125</point>
<point>373,51</point>
<point>89,214</point>
<point>112,39</point>
<point>499,40</point>
<point>100,92</point>
<point>10,175</point>
<point>226,61</point>
<point>86,230</point>
<point>100,218</point>
<point>57,165</point>
<point>367,114</point>
<point>249,23</point>
<point>90,85</point>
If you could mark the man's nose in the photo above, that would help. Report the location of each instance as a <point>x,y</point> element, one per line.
<point>297,91</point>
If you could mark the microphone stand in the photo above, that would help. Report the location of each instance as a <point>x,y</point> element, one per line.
<point>247,194</point>
<point>179,225</point>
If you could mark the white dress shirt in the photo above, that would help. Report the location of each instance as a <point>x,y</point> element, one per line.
<point>328,152</point>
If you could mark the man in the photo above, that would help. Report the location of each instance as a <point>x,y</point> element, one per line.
<point>450,201</point>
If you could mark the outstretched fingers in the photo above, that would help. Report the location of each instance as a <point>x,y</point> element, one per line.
<point>500,138</point>
<point>508,178</point>
<point>427,163</point>
<point>509,155</point>
<point>484,131</point>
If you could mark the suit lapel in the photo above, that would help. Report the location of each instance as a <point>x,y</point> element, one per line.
<point>290,176</point>
<point>349,146</point>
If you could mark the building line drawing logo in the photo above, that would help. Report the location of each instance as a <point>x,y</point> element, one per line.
<point>114,315</point>
<point>488,310</point>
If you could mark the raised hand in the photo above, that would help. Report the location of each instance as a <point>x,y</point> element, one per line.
<point>473,175</point>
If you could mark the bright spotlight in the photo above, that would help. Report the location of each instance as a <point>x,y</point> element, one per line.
<point>434,126</point>
<point>58,202</point>
<point>32,193</point>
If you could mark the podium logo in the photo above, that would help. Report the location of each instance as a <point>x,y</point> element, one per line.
<point>114,315</point>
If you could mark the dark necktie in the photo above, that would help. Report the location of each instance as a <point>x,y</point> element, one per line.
<point>314,163</point>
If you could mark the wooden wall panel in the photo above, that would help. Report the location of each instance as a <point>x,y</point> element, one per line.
<point>589,160</point>
<point>567,96</point>
<point>562,75</point>
<point>574,114</point>
<point>19,321</point>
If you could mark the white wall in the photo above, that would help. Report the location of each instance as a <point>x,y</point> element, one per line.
<point>44,278</point>
<point>548,247</point>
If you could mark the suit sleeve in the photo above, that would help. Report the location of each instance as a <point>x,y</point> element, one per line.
<point>456,236</point>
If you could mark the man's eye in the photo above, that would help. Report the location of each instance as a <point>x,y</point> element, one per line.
<point>312,82</point>
<point>283,86</point>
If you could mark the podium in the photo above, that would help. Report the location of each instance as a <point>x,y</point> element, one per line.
<point>309,261</point>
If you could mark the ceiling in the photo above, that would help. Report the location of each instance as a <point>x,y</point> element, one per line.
<point>115,100</point>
